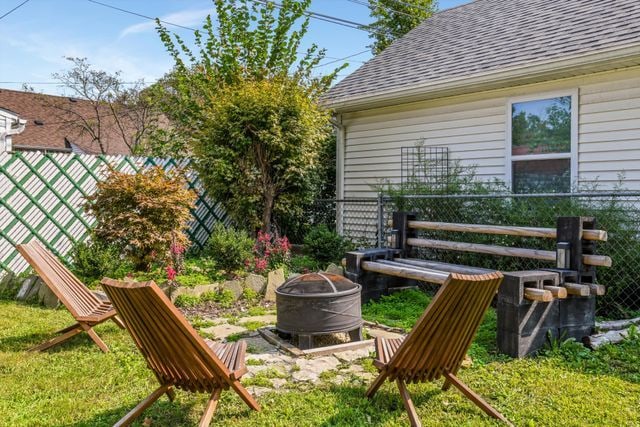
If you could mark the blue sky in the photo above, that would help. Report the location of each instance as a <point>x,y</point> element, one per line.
<point>36,37</point>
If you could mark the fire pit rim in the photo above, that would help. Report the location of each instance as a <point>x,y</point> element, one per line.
<point>355,289</point>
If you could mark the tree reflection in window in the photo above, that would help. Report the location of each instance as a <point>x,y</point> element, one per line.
<point>541,126</point>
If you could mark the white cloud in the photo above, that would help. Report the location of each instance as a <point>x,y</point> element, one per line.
<point>186,18</point>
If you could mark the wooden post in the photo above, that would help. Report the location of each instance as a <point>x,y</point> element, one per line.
<point>403,232</point>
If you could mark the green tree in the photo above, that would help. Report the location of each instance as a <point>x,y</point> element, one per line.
<point>259,148</point>
<point>395,18</point>
<point>256,154</point>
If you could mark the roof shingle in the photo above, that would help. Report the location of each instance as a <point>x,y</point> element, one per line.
<point>490,35</point>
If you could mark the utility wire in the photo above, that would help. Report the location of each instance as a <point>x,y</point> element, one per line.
<point>342,59</point>
<point>327,18</point>
<point>139,14</point>
<point>15,8</point>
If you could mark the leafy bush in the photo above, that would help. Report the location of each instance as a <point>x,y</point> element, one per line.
<point>304,264</point>
<point>143,214</point>
<point>229,248</point>
<point>271,252</point>
<point>192,279</point>
<point>325,245</point>
<point>186,301</point>
<point>93,260</point>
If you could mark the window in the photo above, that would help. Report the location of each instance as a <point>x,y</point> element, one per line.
<point>541,144</point>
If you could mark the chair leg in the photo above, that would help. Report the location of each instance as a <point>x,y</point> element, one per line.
<point>447,385</point>
<point>68,328</point>
<point>210,409</point>
<point>476,399</point>
<point>118,322</point>
<point>373,388</point>
<point>171,394</point>
<point>96,339</point>
<point>408,404</point>
<point>245,395</point>
<point>139,409</point>
<point>58,340</point>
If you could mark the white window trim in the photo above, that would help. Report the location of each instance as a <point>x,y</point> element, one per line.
<point>573,155</point>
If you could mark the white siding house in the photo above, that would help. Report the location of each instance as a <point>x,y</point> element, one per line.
<point>459,79</point>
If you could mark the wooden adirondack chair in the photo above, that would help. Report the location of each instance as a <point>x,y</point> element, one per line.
<point>175,352</point>
<point>438,343</point>
<point>83,305</point>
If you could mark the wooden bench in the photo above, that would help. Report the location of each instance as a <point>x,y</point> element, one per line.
<point>567,286</point>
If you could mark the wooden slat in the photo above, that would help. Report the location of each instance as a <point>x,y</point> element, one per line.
<point>557,291</point>
<point>534,294</point>
<point>173,349</point>
<point>432,276</point>
<point>596,260</point>
<point>547,233</point>
<point>577,289</point>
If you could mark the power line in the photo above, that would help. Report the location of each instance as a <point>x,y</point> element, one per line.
<point>342,59</point>
<point>140,15</point>
<point>327,18</point>
<point>15,8</point>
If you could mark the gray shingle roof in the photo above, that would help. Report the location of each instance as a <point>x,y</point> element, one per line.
<point>490,35</point>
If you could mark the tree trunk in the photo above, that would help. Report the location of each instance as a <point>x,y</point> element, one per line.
<point>269,197</point>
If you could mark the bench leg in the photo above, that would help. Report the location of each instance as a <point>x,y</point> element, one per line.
<point>245,395</point>
<point>476,399</point>
<point>375,385</point>
<point>96,339</point>
<point>69,333</point>
<point>139,409</point>
<point>408,404</point>
<point>210,409</point>
<point>118,322</point>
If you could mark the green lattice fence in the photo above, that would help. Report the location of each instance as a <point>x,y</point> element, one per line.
<point>41,197</point>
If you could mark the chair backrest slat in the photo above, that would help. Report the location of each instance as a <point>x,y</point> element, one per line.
<point>71,291</point>
<point>173,349</point>
<point>442,336</point>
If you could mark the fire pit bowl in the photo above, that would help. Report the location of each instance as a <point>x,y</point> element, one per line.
<point>318,304</point>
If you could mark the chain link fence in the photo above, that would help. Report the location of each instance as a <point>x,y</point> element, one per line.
<point>365,221</point>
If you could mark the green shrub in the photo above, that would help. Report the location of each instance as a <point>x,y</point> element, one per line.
<point>250,295</point>
<point>144,214</point>
<point>229,248</point>
<point>186,301</point>
<point>193,279</point>
<point>304,264</point>
<point>224,298</point>
<point>93,260</point>
<point>325,245</point>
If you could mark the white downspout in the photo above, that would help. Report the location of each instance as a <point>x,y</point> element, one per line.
<point>5,136</point>
<point>340,153</point>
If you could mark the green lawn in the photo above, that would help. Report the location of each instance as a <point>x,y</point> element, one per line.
<point>77,385</point>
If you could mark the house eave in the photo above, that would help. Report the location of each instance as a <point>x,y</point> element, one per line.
<point>600,61</point>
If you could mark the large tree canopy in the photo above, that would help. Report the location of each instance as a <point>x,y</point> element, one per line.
<point>244,101</point>
<point>395,18</point>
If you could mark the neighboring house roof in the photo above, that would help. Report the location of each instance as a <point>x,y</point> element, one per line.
<point>50,127</point>
<point>487,39</point>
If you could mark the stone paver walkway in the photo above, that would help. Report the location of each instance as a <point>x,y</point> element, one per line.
<point>271,370</point>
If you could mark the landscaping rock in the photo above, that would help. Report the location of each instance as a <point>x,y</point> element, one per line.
<point>46,297</point>
<point>224,330</point>
<point>375,333</point>
<point>7,282</point>
<point>235,286</point>
<point>310,370</point>
<point>352,355</point>
<point>256,282</point>
<point>334,269</point>
<point>267,319</point>
<point>196,291</point>
<point>278,383</point>
<point>28,289</point>
<point>259,345</point>
<point>274,281</point>
<point>258,391</point>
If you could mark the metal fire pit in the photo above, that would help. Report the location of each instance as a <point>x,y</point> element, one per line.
<point>318,304</point>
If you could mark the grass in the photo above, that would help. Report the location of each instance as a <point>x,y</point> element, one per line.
<point>77,385</point>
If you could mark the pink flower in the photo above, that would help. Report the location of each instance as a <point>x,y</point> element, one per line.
<point>171,273</point>
<point>261,264</point>
<point>177,249</point>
